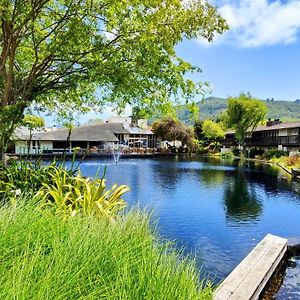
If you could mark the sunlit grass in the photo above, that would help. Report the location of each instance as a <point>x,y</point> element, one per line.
<point>43,257</point>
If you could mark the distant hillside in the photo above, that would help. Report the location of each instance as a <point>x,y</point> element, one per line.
<point>211,107</point>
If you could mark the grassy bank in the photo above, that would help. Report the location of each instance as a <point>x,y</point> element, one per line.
<point>43,257</point>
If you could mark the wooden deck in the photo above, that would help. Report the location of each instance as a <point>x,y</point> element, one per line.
<point>249,278</point>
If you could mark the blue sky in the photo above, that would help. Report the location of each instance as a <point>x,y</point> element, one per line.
<point>260,53</point>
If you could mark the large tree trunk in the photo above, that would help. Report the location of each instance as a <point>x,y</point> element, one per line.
<point>10,118</point>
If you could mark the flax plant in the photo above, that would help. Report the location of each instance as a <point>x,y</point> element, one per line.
<point>71,195</point>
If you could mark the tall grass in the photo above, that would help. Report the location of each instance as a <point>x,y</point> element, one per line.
<point>43,257</point>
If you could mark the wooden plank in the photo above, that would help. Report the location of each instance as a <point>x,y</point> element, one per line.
<point>231,282</point>
<point>256,280</point>
<point>248,279</point>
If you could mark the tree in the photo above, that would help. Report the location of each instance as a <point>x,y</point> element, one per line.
<point>32,122</point>
<point>139,113</point>
<point>212,131</point>
<point>198,129</point>
<point>244,115</point>
<point>172,129</point>
<point>72,55</point>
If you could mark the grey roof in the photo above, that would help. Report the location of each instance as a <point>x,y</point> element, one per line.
<point>93,133</point>
<point>116,128</point>
<point>286,125</point>
<point>23,133</point>
<point>138,130</point>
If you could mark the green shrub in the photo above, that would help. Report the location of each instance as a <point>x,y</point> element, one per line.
<point>25,176</point>
<point>254,153</point>
<point>275,154</point>
<point>70,195</point>
<point>43,257</point>
<point>227,155</point>
<point>236,152</point>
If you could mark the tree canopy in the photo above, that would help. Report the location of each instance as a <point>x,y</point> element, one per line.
<point>172,129</point>
<point>79,54</point>
<point>245,114</point>
<point>32,122</point>
<point>212,131</point>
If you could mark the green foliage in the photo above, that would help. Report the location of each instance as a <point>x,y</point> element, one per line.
<point>212,130</point>
<point>70,195</point>
<point>198,130</point>
<point>275,154</point>
<point>244,114</point>
<point>24,176</point>
<point>60,188</point>
<point>227,155</point>
<point>76,55</point>
<point>172,129</point>
<point>88,258</point>
<point>214,108</point>
<point>33,122</point>
<point>255,153</point>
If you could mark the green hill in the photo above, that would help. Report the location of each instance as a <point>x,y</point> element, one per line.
<point>211,107</point>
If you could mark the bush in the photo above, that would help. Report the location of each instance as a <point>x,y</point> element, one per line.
<point>61,189</point>
<point>227,155</point>
<point>70,195</point>
<point>254,153</point>
<point>28,176</point>
<point>86,258</point>
<point>292,161</point>
<point>275,154</point>
<point>236,152</point>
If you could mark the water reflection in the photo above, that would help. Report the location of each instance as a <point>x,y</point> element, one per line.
<point>212,177</point>
<point>240,200</point>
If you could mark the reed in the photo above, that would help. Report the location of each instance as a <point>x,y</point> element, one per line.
<point>44,257</point>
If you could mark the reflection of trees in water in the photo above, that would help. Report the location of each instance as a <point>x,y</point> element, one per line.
<point>241,200</point>
<point>166,174</point>
<point>212,176</point>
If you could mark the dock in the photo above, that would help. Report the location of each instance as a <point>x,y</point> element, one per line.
<point>248,279</point>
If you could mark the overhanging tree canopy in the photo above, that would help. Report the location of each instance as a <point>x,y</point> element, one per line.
<point>75,54</point>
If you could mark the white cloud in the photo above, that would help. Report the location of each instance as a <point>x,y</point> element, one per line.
<point>257,23</point>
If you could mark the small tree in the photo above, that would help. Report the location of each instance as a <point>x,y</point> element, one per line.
<point>244,115</point>
<point>198,129</point>
<point>32,122</point>
<point>212,131</point>
<point>172,129</point>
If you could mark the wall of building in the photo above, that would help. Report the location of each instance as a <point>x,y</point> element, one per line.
<point>21,147</point>
<point>283,132</point>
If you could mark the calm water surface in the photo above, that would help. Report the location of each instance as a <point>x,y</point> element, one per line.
<point>217,210</point>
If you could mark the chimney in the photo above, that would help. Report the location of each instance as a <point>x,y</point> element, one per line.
<point>274,122</point>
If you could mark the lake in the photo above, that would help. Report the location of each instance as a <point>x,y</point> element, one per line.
<point>217,210</point>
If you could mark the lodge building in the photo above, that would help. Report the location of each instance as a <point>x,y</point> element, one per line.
<point>273,135</point>
<point>99,137</point>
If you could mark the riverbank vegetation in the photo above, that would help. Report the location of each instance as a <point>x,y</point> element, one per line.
<point>44,257</point>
